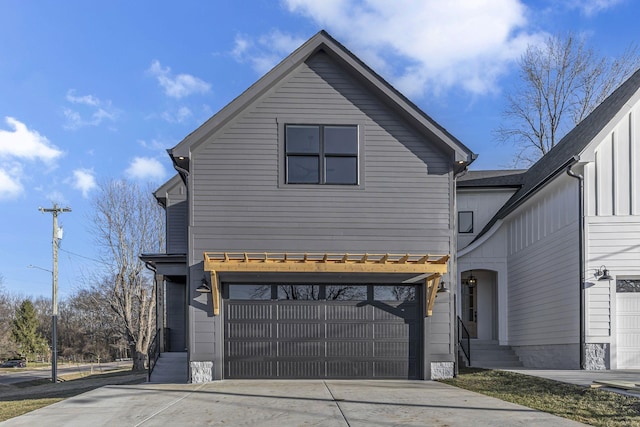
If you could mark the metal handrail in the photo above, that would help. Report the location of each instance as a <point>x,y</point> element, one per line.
<point>464,338</point>
<point>153,354</point>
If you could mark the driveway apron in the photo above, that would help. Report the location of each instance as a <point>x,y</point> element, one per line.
<point>286,403</point>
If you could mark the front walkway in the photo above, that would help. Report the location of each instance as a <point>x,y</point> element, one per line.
<point>584,378</point>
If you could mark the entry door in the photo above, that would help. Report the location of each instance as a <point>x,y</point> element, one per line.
<point>470,309</point>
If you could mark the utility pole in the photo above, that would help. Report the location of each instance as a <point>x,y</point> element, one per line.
<point>57,235</point>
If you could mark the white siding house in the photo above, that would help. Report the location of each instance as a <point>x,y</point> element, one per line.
<point>564,249</point>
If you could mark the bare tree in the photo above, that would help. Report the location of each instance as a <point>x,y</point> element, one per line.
<point>561,82</point>
<point>8,305</point>
<point>89,328</point>
<point>126,223</point>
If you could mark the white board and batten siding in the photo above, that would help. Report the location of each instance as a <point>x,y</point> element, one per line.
<point>612,189</point>
<point>543,294</point>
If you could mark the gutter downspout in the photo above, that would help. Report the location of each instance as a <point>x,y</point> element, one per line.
<point>184,173</point>
<point>581,255</point>
<point>453,276</point>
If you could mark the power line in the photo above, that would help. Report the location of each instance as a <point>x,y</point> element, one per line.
<point>82,256</point>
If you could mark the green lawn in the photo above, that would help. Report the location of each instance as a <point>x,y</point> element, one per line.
<point>586,405</point>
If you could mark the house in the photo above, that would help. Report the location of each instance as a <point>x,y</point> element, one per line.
<point>549,258</point>
<point>309,230</point>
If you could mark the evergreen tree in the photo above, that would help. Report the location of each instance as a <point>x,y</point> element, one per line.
<point>25,331</point>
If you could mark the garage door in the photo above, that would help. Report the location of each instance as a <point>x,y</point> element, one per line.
<point>628,324</point>
<point>321,331</point>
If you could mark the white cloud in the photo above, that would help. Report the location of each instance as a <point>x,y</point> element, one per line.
<point>57,197</point>
<point>181,115</point>
<point>155,145</point>
<point>24,143</point>
<point>146,168</point>
<point>266,51</point>
<point>177,86</point>
<point>10,185</point>
<point>95,111</point>
<point>466,43</point>
<point>86,99</point>
<point>84,180</point>
<point>592,7</point>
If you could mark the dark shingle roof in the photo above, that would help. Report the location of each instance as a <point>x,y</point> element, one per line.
<point>492,178</point>
<point>565,151</point>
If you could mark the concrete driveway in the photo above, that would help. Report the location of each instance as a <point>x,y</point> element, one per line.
<point>286,403</point>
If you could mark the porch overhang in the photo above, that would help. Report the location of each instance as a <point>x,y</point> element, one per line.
<point>431,267</point>
<point>166,264</point>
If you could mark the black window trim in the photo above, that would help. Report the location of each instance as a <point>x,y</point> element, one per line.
<point>371,289</point>
<point>322,155</point>
<point>472,222</point>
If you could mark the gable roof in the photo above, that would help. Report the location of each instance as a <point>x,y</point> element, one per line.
<point>322,41</point>
<point>161,193</point>
<point>566,152</point>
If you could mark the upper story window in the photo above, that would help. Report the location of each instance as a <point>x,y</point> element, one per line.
<point>465,222</point>
<point>321,154</point>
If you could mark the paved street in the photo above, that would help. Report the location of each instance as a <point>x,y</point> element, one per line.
<point>17,375</point>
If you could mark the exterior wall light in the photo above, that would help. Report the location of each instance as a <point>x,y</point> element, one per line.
<point>471,280</point>
<point>204,287</point>
<point>602,274</point>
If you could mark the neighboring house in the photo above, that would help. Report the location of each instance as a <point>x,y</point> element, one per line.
<point>529,240</point>
<point>309,229</point>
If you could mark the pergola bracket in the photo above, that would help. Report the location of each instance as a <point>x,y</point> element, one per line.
<point>434,266</point>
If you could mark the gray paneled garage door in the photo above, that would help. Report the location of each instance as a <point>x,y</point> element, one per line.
<point>372,332</point>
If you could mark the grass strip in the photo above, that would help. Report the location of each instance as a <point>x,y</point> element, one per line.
<point>16,408</point>
<point>586,405</point>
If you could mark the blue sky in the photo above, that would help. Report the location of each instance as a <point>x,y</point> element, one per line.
<point>91,91</point>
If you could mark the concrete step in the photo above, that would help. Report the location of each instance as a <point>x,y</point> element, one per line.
<point>174,355</point>
<point>496,364</point>
<point>171,368</point>
<point>488,354</point>
<point>498,357</point>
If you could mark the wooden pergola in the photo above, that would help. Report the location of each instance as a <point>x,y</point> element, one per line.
<point>430,266</point>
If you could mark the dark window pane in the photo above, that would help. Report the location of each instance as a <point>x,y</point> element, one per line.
<point>628,285</point>
<point>346,293</point>
<point>465,222</point>
<point>303,139</point>
<point>341,140</point>
<point>298,292</point>
<point>302,170</point>
<point>341,170</point>
<point>394,293</point>
<point>250,292</point>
